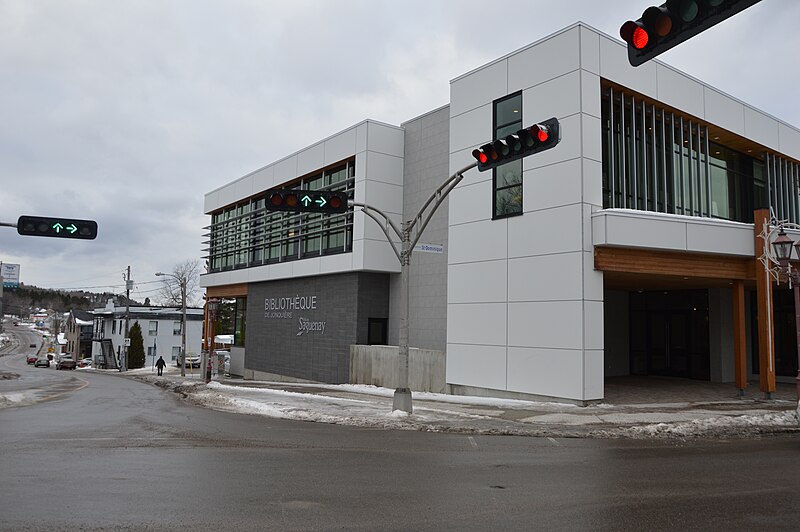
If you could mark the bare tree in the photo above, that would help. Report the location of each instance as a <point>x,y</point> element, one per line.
<point>170,293</point>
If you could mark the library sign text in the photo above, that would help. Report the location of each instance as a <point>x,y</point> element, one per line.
<point>286,307</point>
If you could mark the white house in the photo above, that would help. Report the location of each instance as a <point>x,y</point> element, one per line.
<point>161,330</point>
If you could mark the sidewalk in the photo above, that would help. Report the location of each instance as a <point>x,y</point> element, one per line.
<point>633,408</point>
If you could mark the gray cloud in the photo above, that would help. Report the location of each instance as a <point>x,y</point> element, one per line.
<point>128,112</point>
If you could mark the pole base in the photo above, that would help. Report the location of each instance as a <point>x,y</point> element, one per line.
<point>402,400</point>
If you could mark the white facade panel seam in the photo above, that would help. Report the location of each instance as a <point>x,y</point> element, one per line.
<point>549,348</point>
<point>578,70</point>
<point>477,344</point>
<point>560,161</point>
<point>555,207</point>
<point>382,153</point>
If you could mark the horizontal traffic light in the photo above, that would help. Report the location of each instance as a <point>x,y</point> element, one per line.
<point>57,227</point>
<point>327,201</point>
<point>527,141</point>
<point>662,27</point>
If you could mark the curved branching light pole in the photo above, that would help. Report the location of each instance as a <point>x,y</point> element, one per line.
<point>409,234</point>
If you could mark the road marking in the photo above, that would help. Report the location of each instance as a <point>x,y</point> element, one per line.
<point>472,442</point>
<point>110,438</point>
<point>59,394</point>
<point>554,442</point>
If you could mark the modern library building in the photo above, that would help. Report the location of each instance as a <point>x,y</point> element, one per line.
<point>636,246</point>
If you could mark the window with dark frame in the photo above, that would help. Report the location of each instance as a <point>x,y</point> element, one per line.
<point>507,179</point>
<point>377,331</point>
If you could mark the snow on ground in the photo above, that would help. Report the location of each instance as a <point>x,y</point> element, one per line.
<point>371,406</point>
<point>361,405</point>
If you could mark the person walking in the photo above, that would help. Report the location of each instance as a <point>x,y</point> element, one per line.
<point>160,365</point>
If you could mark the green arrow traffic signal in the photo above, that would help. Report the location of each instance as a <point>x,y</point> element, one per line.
<point>57,227</point>
<point>323,201</point>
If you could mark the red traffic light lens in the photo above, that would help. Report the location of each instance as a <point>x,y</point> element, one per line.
<point>543,134</point>
<point>276,200</point>
<point>292,200</point>
<point>334,202</point>
<point>480,156</point>
<point>640,38</point>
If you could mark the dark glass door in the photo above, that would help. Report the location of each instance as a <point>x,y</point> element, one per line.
<point>669,334</point>
<point>668,353</point>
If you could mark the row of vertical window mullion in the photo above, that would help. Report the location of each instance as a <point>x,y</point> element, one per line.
<point>623,169</point>
<point>795,196</point>
<point>698,173</point>
<point>634,168</point>
<point>768,180</point>
<point>645,176</point>
<point>785,181</point>
<point>654,157</point>
<point>781,191</point>
<point>680,165</point>
<point>791,189</point>
<point>689,178</point>
<point>612,185</point>
<point>708,172</point>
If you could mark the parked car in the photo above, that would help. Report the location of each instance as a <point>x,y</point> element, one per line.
<point>192,359</point>
<point>66,363</point>
<point>32,346</point>
<point>85,363</point>
<point>42,363</point>
<point>31,359</point>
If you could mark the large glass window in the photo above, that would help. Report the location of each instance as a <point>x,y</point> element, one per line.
<point>507,178</point>
<point>240,321</point>
<point>246,234</point>
<point>657,160</point>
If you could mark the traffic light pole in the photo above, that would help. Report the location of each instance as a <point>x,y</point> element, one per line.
<point>408,239</point>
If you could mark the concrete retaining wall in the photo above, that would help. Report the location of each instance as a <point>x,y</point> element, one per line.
<point>377,365</point>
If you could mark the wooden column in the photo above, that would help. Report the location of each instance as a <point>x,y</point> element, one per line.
<point>739,336</point>
<point>766,337</point>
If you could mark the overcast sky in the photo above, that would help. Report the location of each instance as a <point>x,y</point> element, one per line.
<point>128,112</point>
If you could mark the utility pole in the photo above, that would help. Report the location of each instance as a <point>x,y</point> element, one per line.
<point>183,327</point>
<point>128,286</point>
<point>2,309</point>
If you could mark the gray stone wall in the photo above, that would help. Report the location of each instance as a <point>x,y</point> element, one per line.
<point>303,328</point>
<point>426,166</point>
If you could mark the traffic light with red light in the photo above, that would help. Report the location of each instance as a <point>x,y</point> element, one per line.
<point>57,227</point>
<point>327,201</point>
<point>662,27</point>
<point>527,141</point>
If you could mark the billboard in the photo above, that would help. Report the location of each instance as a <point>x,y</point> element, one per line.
<point>10,274</point>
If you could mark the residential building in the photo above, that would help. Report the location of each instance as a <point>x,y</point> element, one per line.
<point>161,330</point>
<point>78,334</point>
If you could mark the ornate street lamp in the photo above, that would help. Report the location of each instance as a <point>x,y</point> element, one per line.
<point>782,246</point>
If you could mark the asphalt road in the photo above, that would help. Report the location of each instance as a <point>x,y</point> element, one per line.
<point>118,454</point>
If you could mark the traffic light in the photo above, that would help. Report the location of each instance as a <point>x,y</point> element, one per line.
<point>527,141</point>
<point>57,227</point>
<point>328,201</point>
<point>671,23</point>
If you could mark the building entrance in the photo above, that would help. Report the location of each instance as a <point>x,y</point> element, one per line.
<point>669,334</point>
